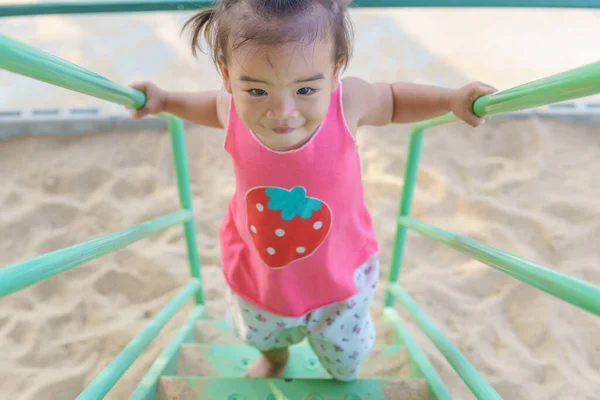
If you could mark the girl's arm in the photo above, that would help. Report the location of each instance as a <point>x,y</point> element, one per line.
<point>413,102</point>
<point>202,108</point>
<point>384,103</point>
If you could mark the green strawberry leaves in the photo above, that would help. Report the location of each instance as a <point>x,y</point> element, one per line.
<point>292,202</point>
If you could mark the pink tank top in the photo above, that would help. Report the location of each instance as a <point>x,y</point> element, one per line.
<point>297,226</point>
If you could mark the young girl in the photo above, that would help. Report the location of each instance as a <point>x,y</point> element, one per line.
<point>297,243</point>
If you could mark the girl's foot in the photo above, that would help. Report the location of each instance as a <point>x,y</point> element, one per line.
<point>270,365</point>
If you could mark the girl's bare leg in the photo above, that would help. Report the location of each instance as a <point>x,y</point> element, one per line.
<point>270,365</point>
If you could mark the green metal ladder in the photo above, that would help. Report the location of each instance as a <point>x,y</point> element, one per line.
<point>204,360</point>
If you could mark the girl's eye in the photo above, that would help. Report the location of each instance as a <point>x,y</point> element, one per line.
<point>257,92</point>
<point>305,90</point>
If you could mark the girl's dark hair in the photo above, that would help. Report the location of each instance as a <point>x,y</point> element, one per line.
<point>233,23</point>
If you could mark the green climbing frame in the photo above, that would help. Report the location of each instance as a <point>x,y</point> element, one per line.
<point>173,374</point>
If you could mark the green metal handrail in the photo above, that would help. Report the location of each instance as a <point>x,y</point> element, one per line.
<point>575,291</point>
<point>164,363</point>
<point>18,276</point>
<point>417,356</point>
<point>117,367</point>
<point>568,85</point>
<point>469,374</point>
<point>579,82</point>
<point>572,84</point>
<point>25,60</point>
<point>185,197</point>
<point>14,10</point>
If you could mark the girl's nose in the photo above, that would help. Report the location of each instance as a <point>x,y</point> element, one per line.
<point>283,109</point>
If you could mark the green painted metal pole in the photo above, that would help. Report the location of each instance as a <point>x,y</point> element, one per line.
<point>479,3</point>
<point>180,5</point>
<point>94,7</point>
<point>476,383</point>
<point>575,83</point>
<point>165,363</point>
<point>572,84</point>
<point>568,85</point>
<point>26,273</point>
<point>575,291</point>
<point>437,389</point>
<point>410,178</point>
<point>28,61</point>
<point>185,196</point>
<point>25,60</point>
<point>117,367</point>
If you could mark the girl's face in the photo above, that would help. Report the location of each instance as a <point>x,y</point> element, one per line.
<point>282,93</point>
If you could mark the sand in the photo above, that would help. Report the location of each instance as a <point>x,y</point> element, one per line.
<point>527,186</point>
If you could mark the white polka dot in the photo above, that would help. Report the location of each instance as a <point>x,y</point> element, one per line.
<point>280,232</point>
<point>260,207</point>
<point>318,225</point>
<point>252,229</point>
<point>270,250</point>
<point>300,250</point>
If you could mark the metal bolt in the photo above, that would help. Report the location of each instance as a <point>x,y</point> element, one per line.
<point>276,397</point>
<point>313,396</point>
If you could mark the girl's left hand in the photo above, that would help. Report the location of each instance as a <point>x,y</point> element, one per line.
<point>461,103</point>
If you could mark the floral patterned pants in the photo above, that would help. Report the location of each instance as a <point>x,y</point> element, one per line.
<point>340,334</point>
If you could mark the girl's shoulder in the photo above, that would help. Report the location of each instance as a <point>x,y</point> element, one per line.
<point>350,102</point>
<point>223,105</point>
<point>366,103</point>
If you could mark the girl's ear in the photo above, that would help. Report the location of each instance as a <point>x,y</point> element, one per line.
<point>224,73</point>
<point>337,69</point>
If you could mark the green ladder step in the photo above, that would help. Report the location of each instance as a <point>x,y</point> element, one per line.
<point>227,360</point>
<point>208,388</point>
<point>219,332</point>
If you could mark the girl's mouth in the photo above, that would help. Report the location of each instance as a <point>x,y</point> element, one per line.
<point>283,130</point>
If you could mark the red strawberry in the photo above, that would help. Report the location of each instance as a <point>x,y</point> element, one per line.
<point>286,225</point>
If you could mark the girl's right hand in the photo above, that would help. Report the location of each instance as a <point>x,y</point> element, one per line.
<point>156,99</point>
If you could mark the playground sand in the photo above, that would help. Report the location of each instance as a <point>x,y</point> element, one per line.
<point>528,186</point>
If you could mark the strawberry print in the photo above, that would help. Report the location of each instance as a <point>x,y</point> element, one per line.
<point>286,225</point>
